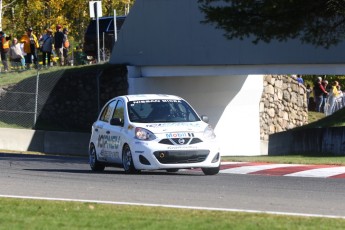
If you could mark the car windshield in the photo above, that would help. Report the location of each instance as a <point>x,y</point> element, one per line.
<point>162,110</point>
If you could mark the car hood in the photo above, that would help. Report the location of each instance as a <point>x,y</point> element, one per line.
<point>176,127</point>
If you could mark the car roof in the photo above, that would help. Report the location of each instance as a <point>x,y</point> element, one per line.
<point>136,97</point>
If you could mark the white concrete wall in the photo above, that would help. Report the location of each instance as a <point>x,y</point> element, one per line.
<point>231,102</point>
<point>48,142</point>
<point>240,121</point>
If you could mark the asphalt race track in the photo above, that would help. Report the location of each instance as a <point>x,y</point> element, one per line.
<point>70,178</point>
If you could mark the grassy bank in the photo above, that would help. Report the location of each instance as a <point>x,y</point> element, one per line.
<point>15,77</point>
<point>35,214</point>
<point>290,159</point>
<point>318,120</point>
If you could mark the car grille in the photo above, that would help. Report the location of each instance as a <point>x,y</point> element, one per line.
<point>178,141</point>
<point>181,157</point>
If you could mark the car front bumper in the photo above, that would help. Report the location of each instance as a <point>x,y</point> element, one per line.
<point>152,156</point>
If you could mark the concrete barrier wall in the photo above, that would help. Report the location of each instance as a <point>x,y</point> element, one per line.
<point>324,141</point>
<point>49,142</point>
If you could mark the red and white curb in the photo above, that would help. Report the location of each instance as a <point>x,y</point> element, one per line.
<point>292,170</point>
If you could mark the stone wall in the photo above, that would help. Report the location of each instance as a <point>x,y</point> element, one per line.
<point>283,105</point>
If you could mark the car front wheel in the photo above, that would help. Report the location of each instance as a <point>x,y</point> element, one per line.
<point>211,171</point>
<point>94,163</point>
<point>127,161</point>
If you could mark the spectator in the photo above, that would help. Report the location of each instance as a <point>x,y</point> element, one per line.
<point>333,95</point>
<point>300,79</point>
<point>58,44</point>
<point>308,90</point>
<point>325,96</point>
<point>65,46</point>
<point>80,56</point>
<point>342,95</point>
<point>319,90</point>
<point>30,48</point>
<point>24,54</point>
<point>16,54</point>
<point>4,49</point>
<point>339,99</point>
<point>46,47</point>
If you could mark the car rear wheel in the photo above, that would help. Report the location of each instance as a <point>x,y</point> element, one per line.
<point>94,163</point>
<point>127,161</point>
<point>211,171</point>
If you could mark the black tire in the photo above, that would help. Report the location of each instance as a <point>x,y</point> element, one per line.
<point>172,170</point>
<point>127,161</point>
<point>210,171</point>
<point>94,163</point>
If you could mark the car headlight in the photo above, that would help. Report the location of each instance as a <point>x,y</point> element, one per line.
<point>209,133</point>
<point>144,134</point>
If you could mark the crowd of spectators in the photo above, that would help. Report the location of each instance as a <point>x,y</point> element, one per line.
<point>24,51</point>
<point>328,98</point>
<point>323,97</point>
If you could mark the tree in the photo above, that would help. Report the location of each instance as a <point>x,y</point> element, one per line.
<point>17,15</point>
<point>121,6</point>
<point>2,8</point>
<point>318,22</point>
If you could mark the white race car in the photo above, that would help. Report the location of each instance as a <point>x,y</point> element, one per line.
<point>151,132</point>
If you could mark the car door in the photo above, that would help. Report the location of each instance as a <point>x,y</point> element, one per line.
<point>102,137</point>
<point>115,133</point>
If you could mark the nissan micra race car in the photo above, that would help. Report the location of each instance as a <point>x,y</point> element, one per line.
<point>152,132</point>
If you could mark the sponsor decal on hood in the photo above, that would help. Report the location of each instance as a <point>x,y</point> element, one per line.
<point>177,127</point>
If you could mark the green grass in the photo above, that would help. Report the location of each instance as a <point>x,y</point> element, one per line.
<point>11,126</point>
<point>36,214</point>
<point>314,116</point>
<point>14,77</point>
<point>337,119</point>
<point>290,159</point>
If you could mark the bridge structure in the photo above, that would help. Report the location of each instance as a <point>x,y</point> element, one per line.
<point>167,49</point>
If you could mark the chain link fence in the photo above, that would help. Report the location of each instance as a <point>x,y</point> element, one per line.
<point>61,98</point>
<point>21,103</point>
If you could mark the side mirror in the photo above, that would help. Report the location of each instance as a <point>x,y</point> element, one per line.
<point>117,122</point>
<point>204,118</point>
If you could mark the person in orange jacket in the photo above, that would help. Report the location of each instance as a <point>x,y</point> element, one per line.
<point>4,48</point>
<point>30,47</point>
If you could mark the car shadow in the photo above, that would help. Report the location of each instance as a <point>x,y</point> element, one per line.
<point>13,157</point>
<point>120,172</point>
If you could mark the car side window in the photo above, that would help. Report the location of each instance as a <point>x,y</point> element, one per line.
<point>107,111</point>
<point>119,110</point>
